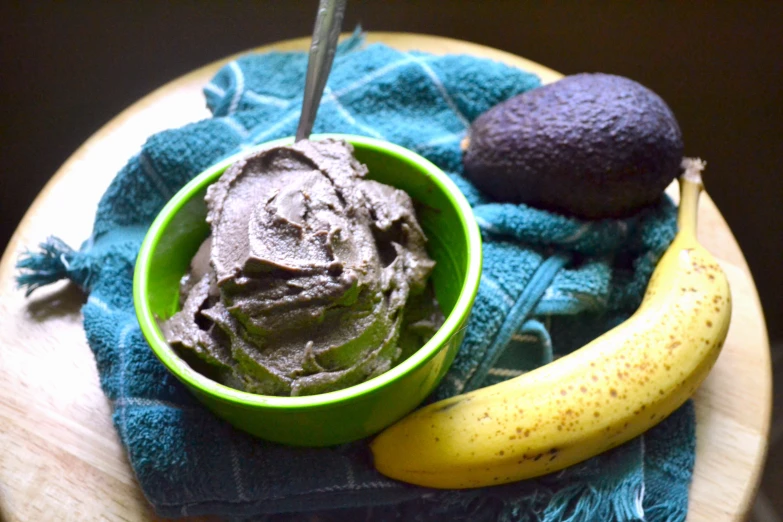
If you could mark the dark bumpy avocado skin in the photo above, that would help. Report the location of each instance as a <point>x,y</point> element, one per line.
<point>589,145</point>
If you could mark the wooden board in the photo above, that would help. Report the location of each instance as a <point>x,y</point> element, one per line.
<point>60,457</point>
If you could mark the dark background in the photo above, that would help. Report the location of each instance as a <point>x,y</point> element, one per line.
<point>69,67</point>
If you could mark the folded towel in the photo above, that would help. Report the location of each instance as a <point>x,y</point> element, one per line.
<point>549,285</point>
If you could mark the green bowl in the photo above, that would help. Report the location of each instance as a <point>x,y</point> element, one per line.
<point>360,410</point>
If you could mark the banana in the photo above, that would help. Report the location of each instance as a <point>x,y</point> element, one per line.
<point>601,395</point>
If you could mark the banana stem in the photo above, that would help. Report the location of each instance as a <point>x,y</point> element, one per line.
<point>691,186</point>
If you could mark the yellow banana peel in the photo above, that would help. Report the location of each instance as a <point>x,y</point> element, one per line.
<point>601,395</point>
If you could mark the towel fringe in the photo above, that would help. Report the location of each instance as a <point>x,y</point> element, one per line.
<point>55,261</point>
<point>668,511</point>
<point>588,502</point>
<point>478,506</point>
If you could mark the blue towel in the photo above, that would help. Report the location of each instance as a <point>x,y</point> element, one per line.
<point>549,285</point>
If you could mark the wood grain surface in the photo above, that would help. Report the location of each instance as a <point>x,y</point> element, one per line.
<point>60,456</point>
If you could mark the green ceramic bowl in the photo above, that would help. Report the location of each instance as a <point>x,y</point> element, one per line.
<point>354,412</point>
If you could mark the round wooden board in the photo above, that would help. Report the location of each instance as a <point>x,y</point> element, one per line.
<point>60,457</point>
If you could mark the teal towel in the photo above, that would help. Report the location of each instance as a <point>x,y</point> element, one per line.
<point>549,285</point>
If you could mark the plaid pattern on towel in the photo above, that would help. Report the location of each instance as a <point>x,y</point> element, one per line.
<point>549,285</point>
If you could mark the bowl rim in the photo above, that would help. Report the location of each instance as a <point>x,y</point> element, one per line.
<point>203,384</point>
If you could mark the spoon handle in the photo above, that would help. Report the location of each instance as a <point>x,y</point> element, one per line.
<point>319,63</point>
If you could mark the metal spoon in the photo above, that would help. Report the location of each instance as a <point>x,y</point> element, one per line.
<point>319,63</point>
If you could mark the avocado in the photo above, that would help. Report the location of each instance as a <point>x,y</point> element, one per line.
<point>590,145</point>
